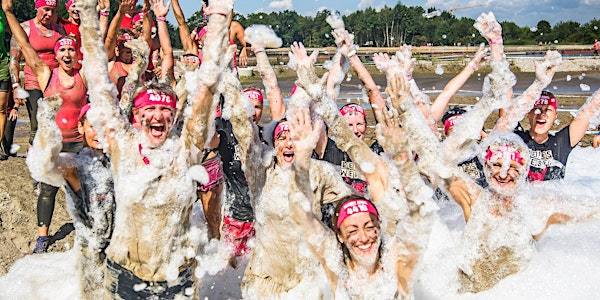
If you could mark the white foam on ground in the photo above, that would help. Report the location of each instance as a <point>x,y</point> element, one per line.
<point>565,264</point>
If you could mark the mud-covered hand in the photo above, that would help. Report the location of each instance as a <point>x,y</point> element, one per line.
<point>139,50</point>
<point>544,71</point>
<point>103,4</point>
<point>489,28</point>
<point>299,56</point>
<point>459,191</point>
<point>127,6</point>
<point>344,42</point>
<point>389,133</point>
<point>305,134</point>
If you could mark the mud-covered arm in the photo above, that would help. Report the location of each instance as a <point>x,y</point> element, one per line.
<point>140,52</point>
<point>110,42</point>
<point>215,60</point>
<point>14,67</point>
<point>345,43</point>
<point>37,65</point>
<point>318,237</point>
<point>440,103</point>
<point>261,37</point>
<point>371,165</point>
<point>424,142</point>
<point>189,46</point>
<point>161,10</point>
<point>588,116</point>
<point>104,115</point>
<point>43,159</point>
<point>544,72</point>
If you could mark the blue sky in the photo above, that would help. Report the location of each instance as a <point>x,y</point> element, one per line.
<point>522,12</point>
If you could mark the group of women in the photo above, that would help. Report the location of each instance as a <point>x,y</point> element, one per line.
<point>329,216</point>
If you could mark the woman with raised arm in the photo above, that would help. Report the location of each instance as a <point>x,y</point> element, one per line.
<point>88,184</point>
<point>370,253</point>
<point>152,249</point>
<point>71,85</point>
<point>42,32</point>
<point>276,267</point>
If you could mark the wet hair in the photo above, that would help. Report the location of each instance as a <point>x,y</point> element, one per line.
<point>453,111</point>
<point>338,231</point>
<point>548,94</point>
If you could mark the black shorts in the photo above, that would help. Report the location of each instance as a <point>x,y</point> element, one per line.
<point>5,85</point>
<point>125,285</point>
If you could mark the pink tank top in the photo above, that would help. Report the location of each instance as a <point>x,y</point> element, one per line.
<point>74,98</point>
<point>44,46</point>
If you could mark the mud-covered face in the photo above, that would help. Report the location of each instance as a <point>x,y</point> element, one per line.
<point>155,122</point>
<point>66,56</point>
<point>359,232</point>
<point>357,124</point>
<point>89,134</point>
<point>191,60</point>
<point>541,118</point>
<point>285,149</point>
<point>45,14</point>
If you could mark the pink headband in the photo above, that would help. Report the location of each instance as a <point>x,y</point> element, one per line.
<point>352,108</point>
<point>451,122</point>
<point>355,206</point>
<point>504,151</point>
<point>137,17</point>
<point>125,37</point>
<point>282,126</point>
<point>546,100</point>
<point>254,94</point>
<point>68,4</point>
<point>83,111</point>
<point>42,3</point>
<point>64,42</point>
<point>153,97</point>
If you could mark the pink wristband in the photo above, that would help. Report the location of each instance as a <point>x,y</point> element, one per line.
<point>104,13</point>
<point>161,19</point>
<point>496,41</point>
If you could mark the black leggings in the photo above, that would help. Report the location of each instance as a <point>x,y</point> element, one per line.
<point>47,197</point>
<point>32,108</point>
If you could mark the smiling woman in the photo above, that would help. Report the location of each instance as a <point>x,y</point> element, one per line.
<point>63,80</point>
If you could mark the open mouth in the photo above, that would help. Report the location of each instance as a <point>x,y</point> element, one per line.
<point>288,156</point>
<point>504,182</point>
<point>157,130</point>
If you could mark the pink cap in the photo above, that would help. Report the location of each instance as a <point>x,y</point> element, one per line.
<point>154,97</point>
<point>65,41</point>
<point>355,108</point>
<point>496,152</point>
<point>546,98</point>
<point>125,37</point>
<point>254,94</point>
<point>451,122</point>
<point>68,4</point>
<point>137,17</point>
<point>42,3</point>
<point>355,206</point>
<point>84,111</point>
<point>282,126</point>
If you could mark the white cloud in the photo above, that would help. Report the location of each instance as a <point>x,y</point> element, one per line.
<point>281,5</point>
<point>364,4</point>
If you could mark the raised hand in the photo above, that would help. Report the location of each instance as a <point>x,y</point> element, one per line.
<point>127,6</point>
<point>407,62</point>
<point>7,5</point>
<point>304,134</point>
<point>103,4</point>
<point>544,71</point>
<point>344,42</point>
<point>160,8</point>
<point>481,56</point>
<point>298,57</point>
<point>389,134</point>
<point>489,28</point>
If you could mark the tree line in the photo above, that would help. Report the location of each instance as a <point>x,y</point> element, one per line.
<point>388,27</point>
